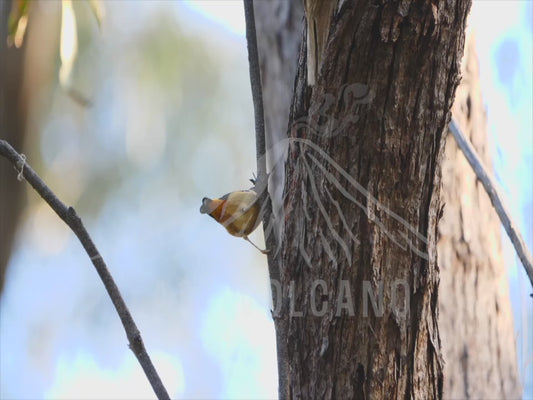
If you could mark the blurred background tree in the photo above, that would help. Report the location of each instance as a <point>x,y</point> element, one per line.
<point>13,122</point>
<point>170,122</point>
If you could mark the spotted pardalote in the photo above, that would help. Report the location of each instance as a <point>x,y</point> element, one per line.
<point>239,212</point>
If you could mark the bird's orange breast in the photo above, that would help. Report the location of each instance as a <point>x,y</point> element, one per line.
<point>238,211</point>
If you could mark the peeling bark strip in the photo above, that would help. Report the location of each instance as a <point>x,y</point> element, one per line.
<point>401,61</point>
<point>318,17</point>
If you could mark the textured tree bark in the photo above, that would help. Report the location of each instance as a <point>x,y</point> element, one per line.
<point>12,129</point>
<point>475,317</point>
<point>362,201</point>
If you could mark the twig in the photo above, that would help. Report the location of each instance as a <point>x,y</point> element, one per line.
<point>257,90</point>
<point>496,199</point>
<point>69,216</point>
<point>281,324</point>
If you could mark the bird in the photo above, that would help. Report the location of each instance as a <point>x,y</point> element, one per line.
<point>239,212</point>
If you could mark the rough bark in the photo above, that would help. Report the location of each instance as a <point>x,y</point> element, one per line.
<point>12,129</point>
<point>362,201</point>
<point>475,318</point>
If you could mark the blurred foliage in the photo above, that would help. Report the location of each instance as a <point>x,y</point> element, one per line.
<point>17,22</point>
<point>170,123</point>
<point>97,8</point>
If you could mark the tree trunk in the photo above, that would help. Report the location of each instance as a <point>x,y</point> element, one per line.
<point>475,318</point>
<point>372,97</point>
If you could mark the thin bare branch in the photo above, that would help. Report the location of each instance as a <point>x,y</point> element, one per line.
<point>257,90</point>
<point>69,216</point>
<point>491,188</point>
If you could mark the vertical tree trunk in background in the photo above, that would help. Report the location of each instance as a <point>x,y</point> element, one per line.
<point>280,28</point>
<point>12,129</point>
<point>475,317</point>
<point>362,198</point>
<point>279,34</point>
